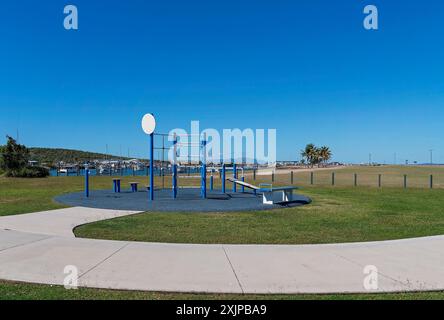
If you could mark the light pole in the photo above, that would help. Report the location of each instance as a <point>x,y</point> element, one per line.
<point>431,156</point>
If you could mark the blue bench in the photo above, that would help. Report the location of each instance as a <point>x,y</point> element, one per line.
<point>270,194</point>
<point>134,186</point>
<point>116,185</point>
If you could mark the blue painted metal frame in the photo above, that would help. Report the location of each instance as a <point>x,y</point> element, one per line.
<point>234,177</point>
<point>87,182</point>
<point>151,191</point>
<point>203,174</point>
<point>174,181</point>
<point>223,178</point>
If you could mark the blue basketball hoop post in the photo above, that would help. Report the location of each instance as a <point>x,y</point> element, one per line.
<point>204,169</point>
<point>152,166</point>
<point>175,168</point>
<point>149,126</point>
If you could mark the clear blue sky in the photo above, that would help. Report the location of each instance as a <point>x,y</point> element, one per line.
<point>307,68</point>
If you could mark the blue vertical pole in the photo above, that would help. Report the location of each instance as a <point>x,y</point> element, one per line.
<point>204,169</point>
<point>204,181</point>
<point>175,167</point>
<point>87,182</point>
<point>174,181</point>
<point>234,176</point>
<point>243,187</point>
<point>223,178</point>
<point>152,166</point>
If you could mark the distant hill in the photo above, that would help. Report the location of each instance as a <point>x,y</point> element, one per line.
<point>51,156</point>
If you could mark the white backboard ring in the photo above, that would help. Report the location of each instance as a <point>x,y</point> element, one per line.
<point>148,123</point>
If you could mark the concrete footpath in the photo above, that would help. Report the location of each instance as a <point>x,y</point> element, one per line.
<point>37,247</point>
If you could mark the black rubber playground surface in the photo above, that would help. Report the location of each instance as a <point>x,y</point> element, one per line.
<point>188,200</point>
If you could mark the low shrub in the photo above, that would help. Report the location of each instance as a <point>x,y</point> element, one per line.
<point>29,172</point>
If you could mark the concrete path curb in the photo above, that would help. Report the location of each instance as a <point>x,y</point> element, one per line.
<point>37,247</point>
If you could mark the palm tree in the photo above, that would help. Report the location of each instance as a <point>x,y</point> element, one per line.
<point>314,155</point>
<point>310,153</point>
<point>324,154</point>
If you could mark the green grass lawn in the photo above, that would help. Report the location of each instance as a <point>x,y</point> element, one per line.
<point>29,195</point>
<point>25,291</point>
<point>19,196</point>
<point>336,215</point>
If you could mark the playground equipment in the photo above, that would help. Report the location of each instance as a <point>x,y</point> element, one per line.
<point>285,194</point>
<point>134,186</point>
<point>234,169</point>
<point>148,126</point>
<point>175,145</point>
<point>180,142</point>
<point>116,185</point>
<point>199,158</point>
<point>270,194</point>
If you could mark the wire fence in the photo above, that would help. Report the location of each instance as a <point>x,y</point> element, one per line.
<point>347,179</point>
<point>328,178</point>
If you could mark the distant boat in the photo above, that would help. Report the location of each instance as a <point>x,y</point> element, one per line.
<point>104,170</point>
<point>68,169</point>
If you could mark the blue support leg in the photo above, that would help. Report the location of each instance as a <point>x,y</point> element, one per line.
<point>87,183</point>
<point>204,181</point>
<point>223,178</point>
<point>175,181</point>
<point>234,177</point>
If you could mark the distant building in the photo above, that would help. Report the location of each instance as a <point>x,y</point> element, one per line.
<point>33,163</point>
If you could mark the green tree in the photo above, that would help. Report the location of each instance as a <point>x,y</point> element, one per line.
<point>310,154</point>
<point>325,154</point>
<point>1,159</point>
<point>314,155</point>
<point>14,161</point>
<point>14,156</point>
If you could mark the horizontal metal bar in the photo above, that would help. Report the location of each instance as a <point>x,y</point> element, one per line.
<point>162,134</point>
<point>189,177</point>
